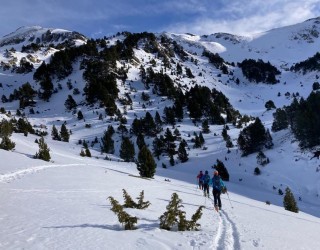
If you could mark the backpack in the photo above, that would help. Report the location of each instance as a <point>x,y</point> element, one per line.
<point>206,179</point>
<point>217,183</point>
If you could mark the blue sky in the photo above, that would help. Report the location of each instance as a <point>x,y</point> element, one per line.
<point>96,18</point>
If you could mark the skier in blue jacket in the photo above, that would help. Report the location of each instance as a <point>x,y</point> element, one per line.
<point>217,186</point>
<point>206,181</point>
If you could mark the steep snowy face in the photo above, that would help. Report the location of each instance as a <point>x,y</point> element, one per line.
<point>282,46</point>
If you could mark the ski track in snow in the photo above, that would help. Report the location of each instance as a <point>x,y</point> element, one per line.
<point>227,236</point>
<point>18,174</point>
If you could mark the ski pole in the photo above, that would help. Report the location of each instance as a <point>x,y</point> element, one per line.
<point>229,200</point>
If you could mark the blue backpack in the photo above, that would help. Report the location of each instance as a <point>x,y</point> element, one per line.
<point>206,179</point>
<point>216,182</point>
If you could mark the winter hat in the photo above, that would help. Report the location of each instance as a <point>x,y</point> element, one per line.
<point>215,172</point>
<point>206,172</point>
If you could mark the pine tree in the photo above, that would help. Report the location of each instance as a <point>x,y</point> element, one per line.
<point>27,94</point>
<point>280,120</point>
<point>123,217</point>
<point>185,225</point>
<point>253,138</point>
<point>140,141</point>
<point>158,122</point>
<point>205,127</point>
<point>175,217</point>
<point>223,172</point>
<point>171,160</point>
<point>70,103</point>
<point>87,152</point>
<point>225,134</point>
<point>201,139</point>
<point>197,143</point>
<point>43,152</point>
<point>170,217</point>
<point>193,225</point>
<point>128,201</point>
<point>141,203</point>
<point>6,129</point>
<point>229,143</point>
<point>80,115</point>
<point>146,164</point>
<point>169,116</point>
<point>64,133</point>
<point>158,146</point>
<point>262,159</point>
<point>177,134</point>
<point>47,88</point>
<point>137,126</point>
<point>178,109</point>
<point>55,134</point>
<point>170,146</point>
<point>149,125</point>
<point>182,153</point>
<point>127,152</point>
<point>6,143</point>
<point>268,141</point>
<point>289,201</point>
<point>107,143</point>
<point>270,105</point>
<point>179,69</point>
<point>82,153</point>
<point>23,126</point>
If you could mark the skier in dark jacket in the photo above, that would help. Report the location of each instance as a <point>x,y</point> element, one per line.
<point>217,186</point>
<point>206,181</point>
<point>199,178</point>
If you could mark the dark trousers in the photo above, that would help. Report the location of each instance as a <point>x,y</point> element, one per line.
<point>216,197</point>
<point>206,189</point>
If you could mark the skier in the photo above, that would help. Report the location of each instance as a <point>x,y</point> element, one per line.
<point>206,181</point>
<point>199,178</point>
<point>217,187</point>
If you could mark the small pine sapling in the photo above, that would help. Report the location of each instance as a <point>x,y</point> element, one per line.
<point>193,225</point>
<point>82,153</point>
<point>128,202</point>
<point>170,217</point>
<point>142,204</point>
<point>88,153</point>
<point>123,217</point>
<point>43,152</point>
<point>183,222</point>
<point>176,217</point>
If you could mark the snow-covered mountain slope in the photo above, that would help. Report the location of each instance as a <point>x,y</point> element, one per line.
<point>282,46</point>
<point>37,34</point>
<point>62,204</point>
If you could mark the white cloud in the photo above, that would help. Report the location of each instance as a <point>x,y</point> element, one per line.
<point>247,17</point>
<point>200,17</point>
